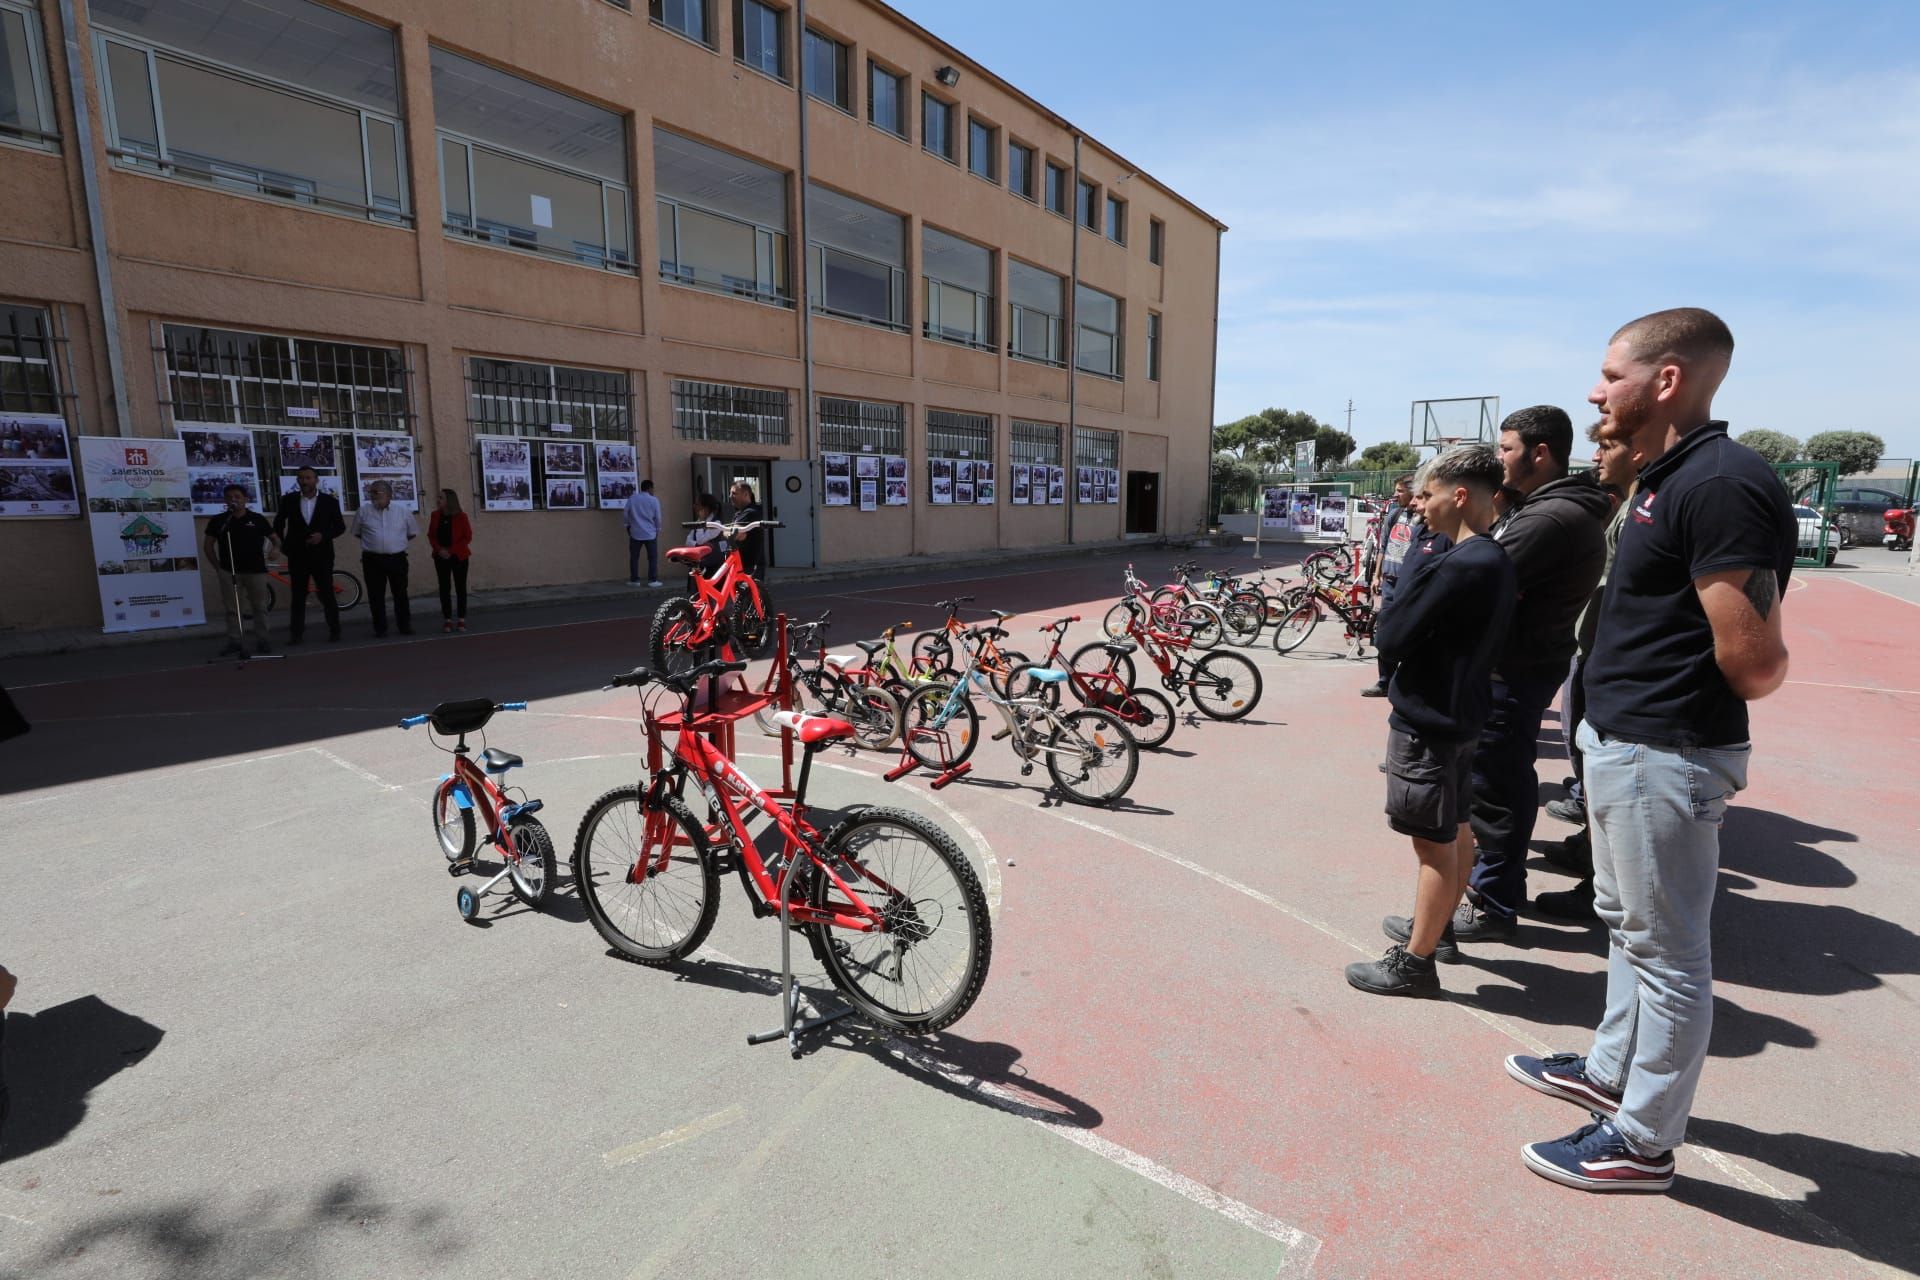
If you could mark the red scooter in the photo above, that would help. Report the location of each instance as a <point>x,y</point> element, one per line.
<point>1898,532</point>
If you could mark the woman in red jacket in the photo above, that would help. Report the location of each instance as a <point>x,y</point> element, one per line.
<point>450,534</point>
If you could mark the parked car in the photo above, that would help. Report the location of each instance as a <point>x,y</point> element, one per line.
<point>1862,509</point>
<point>1809,521</point>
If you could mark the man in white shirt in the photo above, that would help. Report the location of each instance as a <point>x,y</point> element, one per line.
<point>643,530</point>
<point>384,531</point>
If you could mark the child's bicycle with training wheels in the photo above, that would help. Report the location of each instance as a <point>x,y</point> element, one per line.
<point>886,899</point>
<point>1088,753</point>
<point>509,822</point>
<point>727,608</point>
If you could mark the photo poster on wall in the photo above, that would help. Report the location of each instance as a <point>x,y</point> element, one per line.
<point>1113,486</point>
<point>1333,515</point>
<point>836,471</point>
<point>140,513</point>
<point>1083,484</point>
<point>1273,508</point>
<point>1304,511</point>
<point>618,473</point>
<point>866,466</point>
<point>896,471</point>
<point>307,449</point>
<point>564,457</point>
<point>870,495</point>
<point>506,473</point>
<point>963,471</point>
<point>1056,486</point>
<point>983,484</point>
<point>328,484</point>
<point>36,466</point>
<point>1022,481</point>
<point>940,481</point>
<point>386,456</point>
<point>566,493</point>
<point>962,493</point>
<point>402,488</point>
<point>218,455</point>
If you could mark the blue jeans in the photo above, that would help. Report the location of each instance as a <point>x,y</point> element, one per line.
<point>633,558</point>
<point>1654,814</point>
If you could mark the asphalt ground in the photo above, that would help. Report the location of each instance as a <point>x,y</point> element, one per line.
<point>252,1037</point>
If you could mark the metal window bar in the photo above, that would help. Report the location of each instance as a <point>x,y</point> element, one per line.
<point>732,415</point>
<point>1093,447</point>
<point>954,435</point>
<point>1036,442</point>
<point>861,426</point>
<point>32,352</point>
<point>512,397</point>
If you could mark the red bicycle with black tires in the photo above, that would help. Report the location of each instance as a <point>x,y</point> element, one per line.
<point>727,608</point>
<point>1094,677</point>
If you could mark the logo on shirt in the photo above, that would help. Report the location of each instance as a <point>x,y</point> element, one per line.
<point>1643,509</point>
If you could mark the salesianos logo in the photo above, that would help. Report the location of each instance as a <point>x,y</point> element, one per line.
<point>136,457</point>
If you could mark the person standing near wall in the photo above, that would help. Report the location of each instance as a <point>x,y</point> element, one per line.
<point>306,524</point>
<point>1397,525</point>
<point>236,542</point>
<point>642,518</point>
<point>384,531</point>
<point>450,534</point>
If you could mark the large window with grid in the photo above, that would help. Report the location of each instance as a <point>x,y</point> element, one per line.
<point>1099,348</point>
<point>280,98</point>
<point>862,426</point>
<point>959,280</point>
<point>857,265</point>
<point>1093,447</point>
<point>569,415</point>
<point>689,17</point>
<point>1036,442</point>
<point>729,415</point>
<point>31,353</point>
<point>26,107</point>
<point>959,435</point>
<point>1036,314</point>
<point>722,220</point>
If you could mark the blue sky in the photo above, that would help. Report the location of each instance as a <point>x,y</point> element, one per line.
<point>1464,199</point>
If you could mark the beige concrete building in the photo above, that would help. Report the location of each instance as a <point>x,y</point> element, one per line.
<point>430,218</point>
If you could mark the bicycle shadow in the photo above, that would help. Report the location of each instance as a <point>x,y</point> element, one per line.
<point>980,1071</point>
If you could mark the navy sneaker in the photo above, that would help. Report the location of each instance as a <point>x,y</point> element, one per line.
<point>1563,1076</point>
<point>1596,1158</point>
<point>1397,973</point>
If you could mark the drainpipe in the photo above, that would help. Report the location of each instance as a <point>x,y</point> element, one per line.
<point>804,298</point>
<point>1212,386</point>
<point>1073,344</point>
<point>96,220</point>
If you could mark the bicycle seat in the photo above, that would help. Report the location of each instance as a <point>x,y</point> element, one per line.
<point>812,729</point>
<point>687,554</point>
<point>1119,648</point>
<point>498,761</point>
<point>1001,614</point>
<point>466,716</point>
<point>837,660</point>
<point>869,647</point>
<point>1046,675</point>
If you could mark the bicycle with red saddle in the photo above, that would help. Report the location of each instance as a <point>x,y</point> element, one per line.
<point>725,609</point>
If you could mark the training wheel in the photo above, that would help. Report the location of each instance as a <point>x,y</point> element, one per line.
<point>469,903</point>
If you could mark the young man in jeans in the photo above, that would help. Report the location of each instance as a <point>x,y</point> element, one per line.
<point>1442,635</point>
<point>1689,633</point>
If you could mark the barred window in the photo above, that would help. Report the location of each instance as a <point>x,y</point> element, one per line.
<point>1036,442</point>
<point>957,435</point>
<point>513,398</point>
<point>29,374</point>
<point>732,415</point>
<point>861,426</point>
<point>1095,448</point>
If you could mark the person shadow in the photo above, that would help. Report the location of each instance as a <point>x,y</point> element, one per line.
<point>56,1058</point>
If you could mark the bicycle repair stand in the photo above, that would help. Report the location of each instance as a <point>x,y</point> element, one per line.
<point>909,762</point>
<point>791,1025</point>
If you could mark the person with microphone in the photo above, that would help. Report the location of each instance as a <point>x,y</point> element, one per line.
<point>236,542</point>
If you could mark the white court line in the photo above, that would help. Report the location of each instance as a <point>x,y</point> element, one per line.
<point>1863,688</point>
<point>673,1137</point>
<point>355,769</point>
<point>1868,586</point>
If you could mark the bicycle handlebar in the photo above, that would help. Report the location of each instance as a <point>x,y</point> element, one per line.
<point>954,603</point>
<point>411,721</point>
<point>729,530</point>
<point>641,677</point>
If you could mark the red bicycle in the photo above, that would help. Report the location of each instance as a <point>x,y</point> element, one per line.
<point>1146,714</point>
<point>510,824</point>
<point>726,608</point>
<point>1223,685</point>
<point>1200,621</point>
<point>886,899</point>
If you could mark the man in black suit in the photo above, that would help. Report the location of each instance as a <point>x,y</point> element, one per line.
<point>307,524</point>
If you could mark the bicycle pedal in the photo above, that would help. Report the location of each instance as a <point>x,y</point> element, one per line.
<point>1003,735</point>
<point>460,866</point>
<point>1026,770</point>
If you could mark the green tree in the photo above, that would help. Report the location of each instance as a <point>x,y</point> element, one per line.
<point>1234,481</point>
<point>1331,446</point>
<point>1855,451</point>
<point>1389,455</point>
<point>1266,436</point>
<point>1774,446</point>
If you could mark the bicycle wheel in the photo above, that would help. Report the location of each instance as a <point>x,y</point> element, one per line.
<point>1091,757</point>
<point>669,913</point>
<point>1147,716</point>
<point>763,716</point>
<point>1225,686</point>
<point>931,650</point>
<point>1000,673</point>
<point>1114,625</point>
<point>752,624</point>
<point>1165,595</point>
<point>346,589</point>
<point>925,968</point>
<point>926,739</point>
<point>532,876</point>
<point>1022,685</point>
<point>1202,624</point>
<point>1295,628</point>
<point>452,824</point>
<point>1092,660</point>
<point>875,716</point>
<point>1241,621</point>
<point>674,623</point>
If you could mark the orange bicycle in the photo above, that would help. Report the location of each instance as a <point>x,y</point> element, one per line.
<point>346,588</point>
<point>933,651</point>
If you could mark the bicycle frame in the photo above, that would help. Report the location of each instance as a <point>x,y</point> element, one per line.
<point>1021,732</point>
<point>1105,691</point>
<point>475,791</point>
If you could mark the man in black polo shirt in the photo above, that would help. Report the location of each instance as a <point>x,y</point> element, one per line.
<point>753,543</point>
<point>1689,633</point>
<point>237,541</point>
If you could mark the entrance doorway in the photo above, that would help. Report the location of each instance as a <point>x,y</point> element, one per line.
<point>716,475</point>
<point>1143,502</point>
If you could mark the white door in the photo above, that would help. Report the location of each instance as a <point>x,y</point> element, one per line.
<point>792,506</point>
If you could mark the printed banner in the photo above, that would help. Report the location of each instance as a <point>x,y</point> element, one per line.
<point>896,481</point>
<point>36,469</point>
<point>837,471</point>
<point>506,469</point>
<point>218,454</point>
<point>618,472</point>
<point>140,512</point>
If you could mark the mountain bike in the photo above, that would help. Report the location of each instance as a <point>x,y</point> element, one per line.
<point>886,899</point>
<point>1353,605</point>
<point>346,588</point>
<point>933,651</point>
<point>727,607</point>
<point>1199,621</point>
<point>1224,686</point>
<point>1088,753</point>
<point>510,825</point>
<point>1146,714</point>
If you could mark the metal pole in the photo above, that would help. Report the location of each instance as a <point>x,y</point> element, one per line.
<point>1073,345</point>
<point>805,301</point>
<point>96,220</point>
<point>1213,382</point>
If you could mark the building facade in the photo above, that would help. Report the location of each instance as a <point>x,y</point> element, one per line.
<point>414,239</point>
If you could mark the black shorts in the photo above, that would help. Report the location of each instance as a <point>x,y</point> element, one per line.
<point>1429,786</point>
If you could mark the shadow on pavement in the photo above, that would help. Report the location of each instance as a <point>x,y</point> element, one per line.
<point>982,1071</point>
<point>56,1057</point>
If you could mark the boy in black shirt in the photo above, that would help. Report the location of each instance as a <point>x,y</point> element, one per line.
<point>1442,635</point>
<point>237,541</point>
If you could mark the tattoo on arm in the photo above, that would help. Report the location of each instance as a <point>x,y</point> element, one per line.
<point>1761,592</point>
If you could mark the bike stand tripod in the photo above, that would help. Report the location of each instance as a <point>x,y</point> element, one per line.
<point>791,1027</point>
<point>908,763</point>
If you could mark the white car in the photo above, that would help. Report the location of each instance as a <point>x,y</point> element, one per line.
<point>1809,522</point>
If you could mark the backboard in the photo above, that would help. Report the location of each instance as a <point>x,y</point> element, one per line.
<point>1434,424</point>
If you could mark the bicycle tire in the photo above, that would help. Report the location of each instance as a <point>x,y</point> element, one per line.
<point>347,590</point>
<point>1227,697</point>
<point>1165,595</point>
<point>931,649</point>
<point>874,714</point>
<point>535,846</point>
<point>1296,627</point>
<point>667,648</point>
<point>1097,663</point>
<point>622,805</point>
<point>763,716</point>
<point>752,629</point>
<point>1114,625</point>
<point>1202,624</point>
<point>448,818</point>
<point>1022,685</point>
<point>856,851</point>
<point>1100,737</point>
<point>1241,621</point>
<point>1001,677</point>
<point>958,736</point>
<point>1157,721</point>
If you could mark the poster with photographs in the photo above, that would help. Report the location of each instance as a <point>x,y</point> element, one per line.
<point>506,474</point>
<point>1022,484</point>
<point>983,487</point>
<point>36,467</point>
<point>940,481</point>
<point>384,452</point>
<point>1083,484</point>
<point>566,493</point>
<point>290,483</point>
<point>867,466</point>
<point>140,512</point>
<point>963,493</point>
<point>616,487</point>
<point>404,493</point>
<point>836,470</point>
<point>1305,511</point>
<point>896,467</point>
<point>896,493</point>
<point>217,456</point>
<point>1113,485</point>
<point>618,472</point>
<point>963,471</point>
<point>1333,516</point>
<point>1056,485</point>
<point>1273,508</point>
<point>1099,486</point>
<point>870,495</point>
<point>307,449</point>
<point>563,458</point>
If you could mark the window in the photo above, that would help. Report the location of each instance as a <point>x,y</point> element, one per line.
<point>959,435</point>
<point>959,276</point>
<point>887,99</point>
<point>1089,206</point>
<point>1020,169</point>
<point>688,17</point>
<point>280,98</point>
<point>826,70</point>
<point>982,148</point>
<point>1156,240</point>
<point>857,268</point>
<point>1097,316</point>
<point>733,415</point>
<point>1093,447</point>
<point>1036,308</point>
<point>1153,346</point>
<point>545,402</point>
<point>1116,220</point>
<point>26,110</point>
<point>760,37</point>
<point>29,375</point>
<point>936,126</point>
<point>1036,443</point>
<point>1056,189</point>
<point>722,220</point>
<point>862,426</point>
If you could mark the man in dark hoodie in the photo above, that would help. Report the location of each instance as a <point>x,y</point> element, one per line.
<point>1442,636</point>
